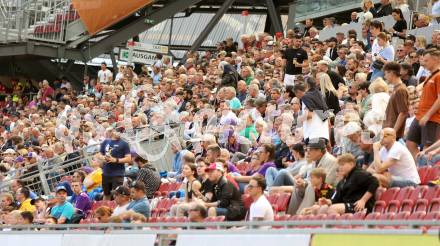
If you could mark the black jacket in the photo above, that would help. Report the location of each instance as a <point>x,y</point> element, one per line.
<point>230,198</point>
<point>354,186</point>
<point>336,79</point>
<point>314,101</point>
<point>384,10</point>
<point>230,77</point>
<point>332,102</point>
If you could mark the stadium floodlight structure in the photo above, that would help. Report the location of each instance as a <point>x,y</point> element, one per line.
<point>43,30</point>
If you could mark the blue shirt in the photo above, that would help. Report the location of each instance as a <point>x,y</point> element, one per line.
<point>117,149</point>
<point>66,210</point>
<point>177,162</point>
<point>140,206</point>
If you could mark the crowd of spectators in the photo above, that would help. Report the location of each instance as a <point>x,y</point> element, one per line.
<point>327,121</point>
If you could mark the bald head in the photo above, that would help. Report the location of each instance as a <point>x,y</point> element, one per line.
<point>389,132</point>
<point>388,137</point>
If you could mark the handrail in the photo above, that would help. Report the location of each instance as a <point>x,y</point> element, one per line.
<point>256,225</point>
<point>43,168</point>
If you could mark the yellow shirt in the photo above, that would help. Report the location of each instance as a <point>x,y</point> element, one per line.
<point>27,206</point>
<point>96,177</point>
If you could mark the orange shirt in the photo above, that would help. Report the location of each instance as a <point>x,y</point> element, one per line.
<point>431,90</point>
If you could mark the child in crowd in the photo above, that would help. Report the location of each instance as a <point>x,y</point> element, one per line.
<point>322,189</point>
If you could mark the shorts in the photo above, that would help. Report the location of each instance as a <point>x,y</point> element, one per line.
<point>401,183</point>
<point>221,211</point>
<point>109,183</point>
<point>349,208</point>
<point>426,135</point>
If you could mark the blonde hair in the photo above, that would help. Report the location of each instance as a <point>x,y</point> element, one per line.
<point>344,158</point>
<point>361,76</point>
<point>326,84</point>
<point>319,173</point>
<point>364,2</point>
<point>421,40</point>
<point>378,85</point>
<point>249,69</point>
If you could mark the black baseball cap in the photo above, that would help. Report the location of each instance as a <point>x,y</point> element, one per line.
<point>316,143</point>
<point>122,190</point>
<point>33,201</point>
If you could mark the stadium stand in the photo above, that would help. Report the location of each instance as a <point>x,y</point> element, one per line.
<point>304,127</point>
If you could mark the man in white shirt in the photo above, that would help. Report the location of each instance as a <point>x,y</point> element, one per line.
<point>393,164</point>
<point>260,209</point>
<point>104,75</point>
<point>122,199</point>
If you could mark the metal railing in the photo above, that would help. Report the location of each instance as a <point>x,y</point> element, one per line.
<point>153,143</point>
<point>42,177</point>
<point>362,226</point>
<point>44,20</point>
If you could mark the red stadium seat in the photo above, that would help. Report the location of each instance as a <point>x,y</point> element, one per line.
<point>434,205</point>
<point>379,193</point>
<point>89,221</point>
<point>97,204</point>
<point>432,173</point>
<point>347,217</point>
<point>359,215</point>
<point>380,206</point>
<point>159,207</point>
<point>372,216</point>
<point>152,220</point>
<point>417,193</point>
<point>422,172</point>
<point>433,192</point>
<point>174,187</point>
<point>432,216</point>
<point>402,216</point>
<point>404,193</point>
<point>162,188</point>
<point>296,217</point>
<point>389,194</point>
<point>318,217</point>
<point>418,215</point>
<point>273,198</point>
<point>333,217</point>
<point>385,217</point>
<point>393,206</point>
<point>284,217</point>
<point>421,205</point>
<point>282,202</point>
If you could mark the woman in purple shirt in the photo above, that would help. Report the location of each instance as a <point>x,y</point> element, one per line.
<point>261,160</point>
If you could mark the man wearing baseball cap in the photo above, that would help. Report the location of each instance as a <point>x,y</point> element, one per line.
<point>63,210</point>
<point>227,199</point>
<point>122,199</point>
